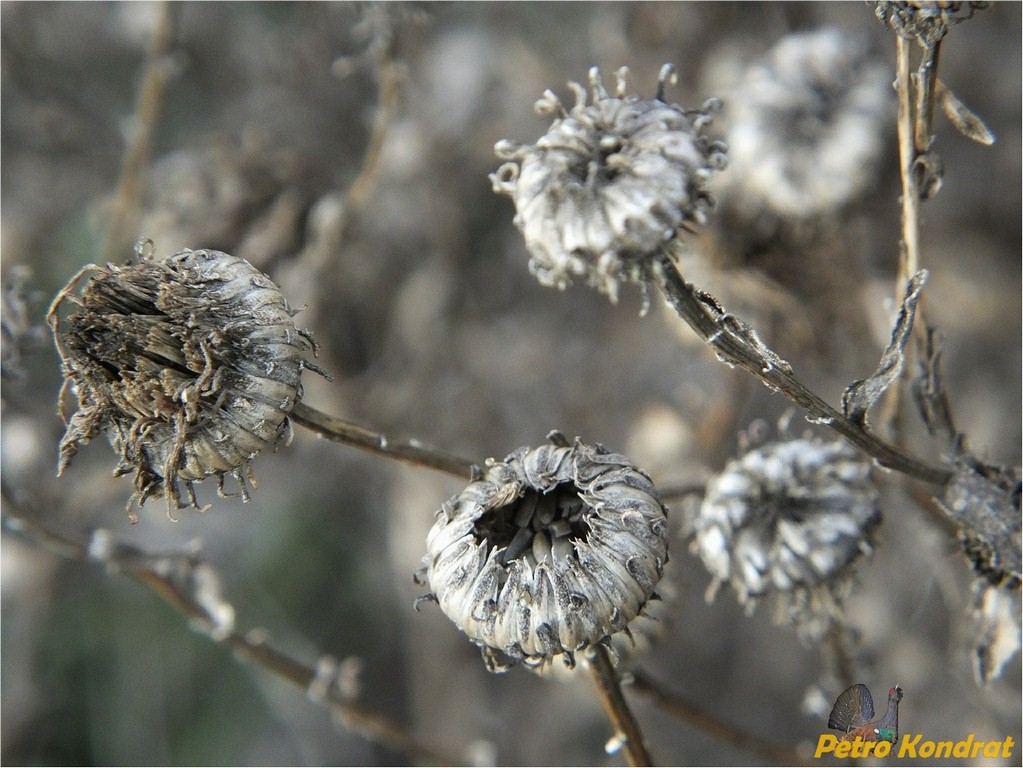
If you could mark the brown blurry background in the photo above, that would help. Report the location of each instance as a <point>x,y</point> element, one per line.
<point>433,328</point>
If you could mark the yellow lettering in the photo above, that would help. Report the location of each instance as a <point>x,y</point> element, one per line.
<point>882,749</point>
<point>977,746</point>
<point>860,748</point>
<point>944,749</point>
<point>962,748</point>
<point>908,746</point>
<point>992,749</point>
<point>926,749</point>
<point>843,748</point>
<point>826,743</point>
<point>1007,748</point>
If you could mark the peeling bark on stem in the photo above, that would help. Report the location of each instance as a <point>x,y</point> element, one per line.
<point>693,307</point>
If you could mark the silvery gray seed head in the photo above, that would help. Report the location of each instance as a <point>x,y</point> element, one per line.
<point>553,549</point>
<point>787,515</point>
<point>609,182</point>
<point>805,126</point>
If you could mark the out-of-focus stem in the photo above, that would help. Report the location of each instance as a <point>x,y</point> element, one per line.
<point>251,647</point>
<point>695,716</point>
<point>148,105</point>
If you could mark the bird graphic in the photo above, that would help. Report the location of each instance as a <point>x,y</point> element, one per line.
<point>853,710</point>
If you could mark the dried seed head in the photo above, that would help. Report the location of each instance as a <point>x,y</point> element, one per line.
<point>190,365</point>
<point>984,500</point>
<point>19,326</point>
<point>805,126</point>
<point>553,549</point>
<point>609,183</point>
<point>923,21</point>
<point>787,515</point>
<point>994,622</point>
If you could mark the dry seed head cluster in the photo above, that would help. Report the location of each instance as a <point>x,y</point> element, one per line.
<point>553,549</point>
<point>926,21</point>
<point>805,125</point>
<point>189,364</point>
<point>609,183</point>
<point>786,516</point>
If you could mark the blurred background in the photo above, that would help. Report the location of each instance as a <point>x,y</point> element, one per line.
<point>344,149</point>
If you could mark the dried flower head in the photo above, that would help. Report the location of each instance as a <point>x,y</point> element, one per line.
<point>19,326</point>
<point>926,21</point>
<point>551,550</point>
<point>806,125</point>
<point>994,622</point>
<point>190,365</point>
<point>247,198</point>
<point>609,182</point>
<point>787,515</point>
<point>984,500</point>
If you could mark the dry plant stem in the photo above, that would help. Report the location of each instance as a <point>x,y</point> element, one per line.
<point>719,729</point>
<point>926,86</point>
<point>323,258</point>
<point>909,256</point>
<point>148,105</point>
<point>843,666</point>
<point>617,709</point>
<point>915,118</point>
<point>387,102</point>
<point>679,492</point>
<point>409,451</point>
<point>251,647</point>
<point>688,303</point>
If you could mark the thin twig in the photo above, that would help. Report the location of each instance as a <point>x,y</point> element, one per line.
<point>252,647</point>
<point>389,79</point>
<point>737,345</point>
<point>842,663</point>
<point>618,712</point>
<point>915,119</point>
<point>909,253</point>
<point>679,492</point>
<point>410,451</point>
<point>695,716</point>
<point>381,55</point>
<point>148,106</point>
<point>927,82</point>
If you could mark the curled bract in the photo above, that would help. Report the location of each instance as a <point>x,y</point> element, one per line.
<point>551,550</point>
<point>189,364</point>
<point>787,515</point>
<point>609,183</point>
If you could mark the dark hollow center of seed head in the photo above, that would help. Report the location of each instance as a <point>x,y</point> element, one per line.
<point>536,525</point>
<point>593,168</point>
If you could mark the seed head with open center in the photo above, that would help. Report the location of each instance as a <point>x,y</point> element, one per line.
<point>553,549</point>
<point>189,364</point>
<point>609,183</point>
